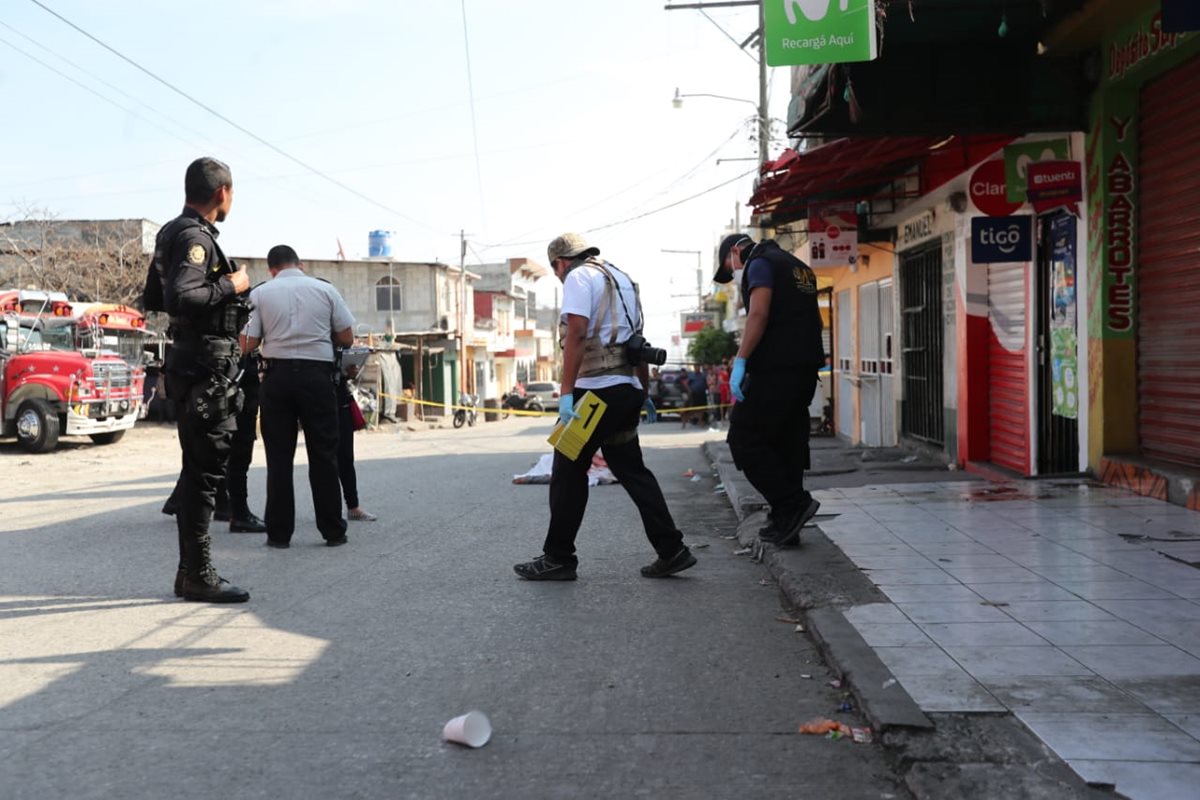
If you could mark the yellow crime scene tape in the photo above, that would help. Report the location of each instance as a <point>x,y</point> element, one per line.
<point>525,413</point>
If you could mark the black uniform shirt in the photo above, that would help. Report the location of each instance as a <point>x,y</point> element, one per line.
<point>197,271</point>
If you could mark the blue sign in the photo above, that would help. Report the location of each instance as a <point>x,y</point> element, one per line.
<point>1002,240</point>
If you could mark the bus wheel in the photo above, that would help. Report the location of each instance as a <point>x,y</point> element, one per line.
<point>37,426</point>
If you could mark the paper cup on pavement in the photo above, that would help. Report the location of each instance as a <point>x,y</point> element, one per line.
<point>471,729</point>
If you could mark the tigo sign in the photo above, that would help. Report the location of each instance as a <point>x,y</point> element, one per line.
<point>1001,240</point>
<point>819,31</point>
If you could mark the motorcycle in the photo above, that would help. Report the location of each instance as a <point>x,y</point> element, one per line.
<point>516,402</point>
<point>468,413</point>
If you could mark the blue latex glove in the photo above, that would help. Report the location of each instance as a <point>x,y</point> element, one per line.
<point>566,408</point>
<point>736,377</point>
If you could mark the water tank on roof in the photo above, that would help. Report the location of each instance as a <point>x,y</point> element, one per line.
<point>379,244</point>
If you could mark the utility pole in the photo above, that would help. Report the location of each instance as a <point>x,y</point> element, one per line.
<point>764,119</point>
<point>462,312</point>
<point>699,274</point>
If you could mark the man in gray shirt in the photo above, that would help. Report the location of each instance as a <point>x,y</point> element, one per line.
<point>297,320</point>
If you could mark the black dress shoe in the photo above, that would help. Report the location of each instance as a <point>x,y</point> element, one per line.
<point>247,524</point>
<point>278,545</point>
<point>169,508</point>
<point>215,590</point>
<point>336,541</point>
<point>787,533</point>
<point>221,515</point>
<point>179,576</point>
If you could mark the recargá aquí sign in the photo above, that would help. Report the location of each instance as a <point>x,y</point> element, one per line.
<point>819,31</point>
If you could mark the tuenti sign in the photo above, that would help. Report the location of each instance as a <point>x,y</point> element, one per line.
<point>1002,240</point>
<point>915,230</point>
<point>1055,184</point>
<point>819,31</point>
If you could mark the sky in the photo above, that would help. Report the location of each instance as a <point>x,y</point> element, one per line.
<point>510,121</point>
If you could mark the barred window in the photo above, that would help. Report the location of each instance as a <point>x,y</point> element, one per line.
<point>387,294</point>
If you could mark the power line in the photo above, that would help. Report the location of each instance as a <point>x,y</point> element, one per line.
<point>229,121</point>
<point>474,123</point>
<point>672,205</point>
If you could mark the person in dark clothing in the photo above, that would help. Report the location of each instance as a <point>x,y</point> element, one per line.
<point>192,280</point>
<point>232,501</point>
<point>346,471</point>
<point>773,379</point>
<point>600,313</point>
<point>297,320</point>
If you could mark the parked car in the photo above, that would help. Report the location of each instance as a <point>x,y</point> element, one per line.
<point>545,391</point>
<point>666,392</point>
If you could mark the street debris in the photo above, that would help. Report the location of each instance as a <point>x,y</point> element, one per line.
<point>799,629</point>
<point>695,479</point>
<point>821,726</point>
<point>763,582</point>
<point>993,603</point>
<point>729,536</point>
<point>836,683</point>
<point>788,620</point>
<point>471,729</point>
<point>846,707</point>
<point>720,487</point>
<point>908,459</point>
<point>889,683</point>
<point>700,546</point>
<point>691,473</point>
<point>741,551</point>
<point>833,729</point>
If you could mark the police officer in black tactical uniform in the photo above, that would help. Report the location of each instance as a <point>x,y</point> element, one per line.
<point>233,501</point>
<point>192,280</point>
<point>773,379</point>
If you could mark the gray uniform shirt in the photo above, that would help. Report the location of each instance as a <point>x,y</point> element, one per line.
<point>295,316</point>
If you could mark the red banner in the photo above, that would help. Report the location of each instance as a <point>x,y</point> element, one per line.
<point>1055,184</point>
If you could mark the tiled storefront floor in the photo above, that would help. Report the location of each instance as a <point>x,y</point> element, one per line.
<point>1070,605</point>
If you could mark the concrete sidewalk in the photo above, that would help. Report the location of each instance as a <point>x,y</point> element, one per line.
<point>1072,607</point>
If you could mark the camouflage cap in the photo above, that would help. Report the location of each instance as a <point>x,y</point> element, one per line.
<point>570,245</point>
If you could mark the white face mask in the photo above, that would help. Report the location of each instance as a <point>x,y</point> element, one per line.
<point>737,277</point>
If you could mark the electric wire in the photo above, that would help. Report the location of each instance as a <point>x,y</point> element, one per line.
<point>246,131</point>
<point>474,122</point>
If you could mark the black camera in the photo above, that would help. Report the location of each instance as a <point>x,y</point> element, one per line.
<point>639,351</point>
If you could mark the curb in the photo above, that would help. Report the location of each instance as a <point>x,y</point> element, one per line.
<point>817,580</point>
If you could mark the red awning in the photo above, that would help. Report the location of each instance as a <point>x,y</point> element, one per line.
<point>857,168</point>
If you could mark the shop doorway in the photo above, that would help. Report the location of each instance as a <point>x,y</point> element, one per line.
<point>844,365</point>
<point>1057,346</point>
<point>922,342</point>
<point>877,427</point>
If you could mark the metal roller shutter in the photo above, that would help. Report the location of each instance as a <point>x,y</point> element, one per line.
<point>1008,420</point>
<point>1168,272</point>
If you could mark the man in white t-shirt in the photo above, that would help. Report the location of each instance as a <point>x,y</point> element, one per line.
<point>600,314</point>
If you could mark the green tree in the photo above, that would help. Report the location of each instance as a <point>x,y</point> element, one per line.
<point>712,346</point>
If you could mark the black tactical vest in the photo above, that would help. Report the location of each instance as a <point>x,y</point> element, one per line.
<point>793,334</point>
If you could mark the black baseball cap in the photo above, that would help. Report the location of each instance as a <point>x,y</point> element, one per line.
<point>724,274</point>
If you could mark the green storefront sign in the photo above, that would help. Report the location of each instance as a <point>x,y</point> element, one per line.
<point>1018,156</point>
<point>819,31</point>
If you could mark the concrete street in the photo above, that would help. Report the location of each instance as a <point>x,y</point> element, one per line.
<point>336,679</point>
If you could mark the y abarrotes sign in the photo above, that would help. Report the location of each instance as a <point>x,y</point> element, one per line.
<point>819,31</point>
<point>1001,240</point>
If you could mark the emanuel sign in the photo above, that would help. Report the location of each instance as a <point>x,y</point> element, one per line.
<point>819,31</point>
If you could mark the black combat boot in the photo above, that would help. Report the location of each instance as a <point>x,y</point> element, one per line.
<point>201,583</point>
<point>243,519</point>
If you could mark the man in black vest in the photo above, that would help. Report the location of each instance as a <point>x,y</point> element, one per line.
<point>773,379</point>
<point>192,280</point>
